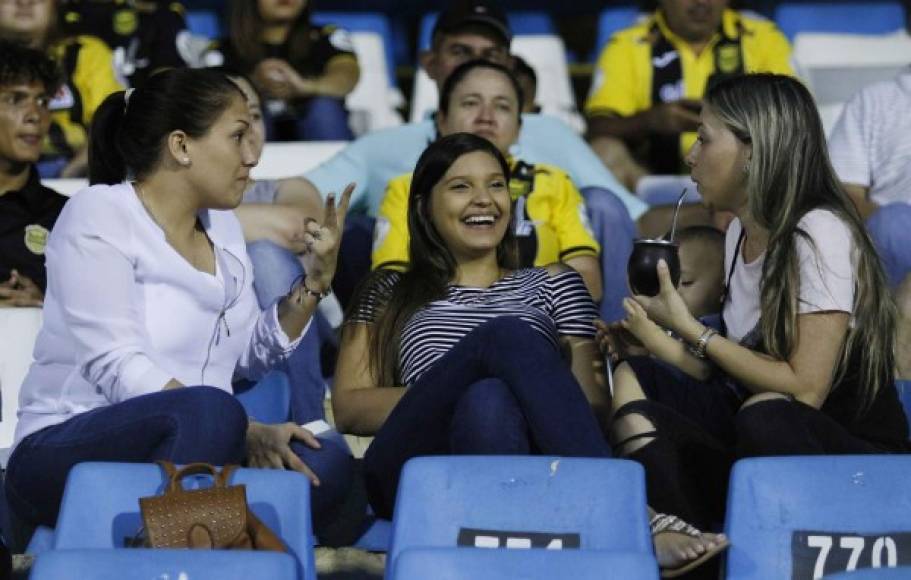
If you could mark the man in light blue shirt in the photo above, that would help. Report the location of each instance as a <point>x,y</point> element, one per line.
<point>469,30</point>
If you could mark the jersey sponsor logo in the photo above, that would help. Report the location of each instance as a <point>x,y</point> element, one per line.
<point>662,60</point>
<point>125,22</point>
<point>63,99</point>
<point>341,40</point>
<point>380,231</point>
<point>36,238</point>
<point>671,92</point>
<point>728,58</point>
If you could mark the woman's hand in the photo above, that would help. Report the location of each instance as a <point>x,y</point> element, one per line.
<point>667,308</point>
<point>268,447</point>
<point>20,290</point>
<point>617,342</point>
<point>271,75</point>
<point>637,322</point>
<point>322,240</point>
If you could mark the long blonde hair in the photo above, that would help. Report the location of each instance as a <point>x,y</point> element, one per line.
<point>789,174</point>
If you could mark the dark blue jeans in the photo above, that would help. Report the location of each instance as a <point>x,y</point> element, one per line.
<point>318,119</point>
<point>180,425</point>
<point>888,227</point>
<point>614,229</point>
<point>445,412</point>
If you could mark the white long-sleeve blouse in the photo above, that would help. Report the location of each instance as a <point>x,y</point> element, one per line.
<point>124,313</point>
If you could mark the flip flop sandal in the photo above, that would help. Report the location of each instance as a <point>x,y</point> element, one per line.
<point>666,523</point>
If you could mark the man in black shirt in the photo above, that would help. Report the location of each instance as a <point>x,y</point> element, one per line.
<point>28,210</point>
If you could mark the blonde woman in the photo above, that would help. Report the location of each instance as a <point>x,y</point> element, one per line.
<point>804,363</point>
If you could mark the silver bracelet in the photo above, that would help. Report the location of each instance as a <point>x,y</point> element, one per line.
<point>698,350</point>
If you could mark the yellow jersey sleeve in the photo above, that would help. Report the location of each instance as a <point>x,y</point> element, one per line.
<point>570,218</point>
<point>618,86</point>
<point>390,236</point>
<point>94,75</point>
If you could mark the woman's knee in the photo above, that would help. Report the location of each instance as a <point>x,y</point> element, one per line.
<point>488,420</point>
<point>209,413</point>
<point>763,424</point>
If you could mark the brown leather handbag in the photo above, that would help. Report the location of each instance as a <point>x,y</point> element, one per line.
<point>217,517</point>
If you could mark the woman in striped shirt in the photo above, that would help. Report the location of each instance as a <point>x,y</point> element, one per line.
<point>465,354</point>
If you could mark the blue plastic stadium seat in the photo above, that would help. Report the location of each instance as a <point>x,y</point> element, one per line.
<point>138,564</point>
<point>523,501</point>
<point>822,508</point>
<point>100,507</point>
<point>843,17</point>
<point>363,22</point>
<point>612,19</point>
<point>482,564</point>
<point>268,400</point>
<point>204,23</point>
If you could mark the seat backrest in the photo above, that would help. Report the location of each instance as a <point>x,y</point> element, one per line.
<point>292,159</point>
<point>846,16</point>
<point>836,66</point>
<point>802,517</point>
<point>904,395</point>
<point>546,54</point>
<point>19,328</point>
<point>482,564</point>
<point>666,189</point>
<point>520,501</point>
<point>204,23</point>
<point>612,19</point>
<point>374,22</point>
<point>144,564</point>
<point>100,507</point>
<point>372,104</point>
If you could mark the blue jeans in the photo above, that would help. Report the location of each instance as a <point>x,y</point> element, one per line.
<point>180,425</point>
<point>889,228</point>
<point>317,119</point>
<point>614,229</point>
<point>545,409</point>
<point>274,270</point>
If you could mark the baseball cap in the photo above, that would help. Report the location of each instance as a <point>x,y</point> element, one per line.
<point>463,12</point>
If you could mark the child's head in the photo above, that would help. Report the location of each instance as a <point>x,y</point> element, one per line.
<point>528,80</point>
<point>701,269</point>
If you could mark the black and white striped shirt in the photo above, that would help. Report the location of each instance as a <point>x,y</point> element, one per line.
<point>553,304</point>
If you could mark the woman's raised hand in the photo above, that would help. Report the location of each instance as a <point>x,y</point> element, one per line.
<point>322,241</point>
<point>667,308</point>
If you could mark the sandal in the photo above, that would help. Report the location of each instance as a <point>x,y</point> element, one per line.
<point>666,523</point>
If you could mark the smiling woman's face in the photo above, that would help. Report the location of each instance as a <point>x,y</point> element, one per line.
<point>469,206</point>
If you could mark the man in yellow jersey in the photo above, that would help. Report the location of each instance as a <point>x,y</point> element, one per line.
<point>644,105</point>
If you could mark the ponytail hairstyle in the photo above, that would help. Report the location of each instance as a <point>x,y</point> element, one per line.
<point>431,263</point>
<point>789,175</point>
<point>129,133</point>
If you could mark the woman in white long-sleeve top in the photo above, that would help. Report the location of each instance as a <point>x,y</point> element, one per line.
<point>150,293</point>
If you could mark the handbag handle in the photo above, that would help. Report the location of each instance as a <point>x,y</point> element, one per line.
<point>175,476</point>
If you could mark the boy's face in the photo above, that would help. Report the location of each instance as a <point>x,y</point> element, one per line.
<point>24,121</point>
<point>701,278</point>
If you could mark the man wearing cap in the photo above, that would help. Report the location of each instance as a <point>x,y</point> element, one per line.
<point>471,29</point>
<point>28,210</point>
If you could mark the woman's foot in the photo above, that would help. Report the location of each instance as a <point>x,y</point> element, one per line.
<point>679,547</point>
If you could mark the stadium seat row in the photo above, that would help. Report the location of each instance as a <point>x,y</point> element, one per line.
<point>531,517</point>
